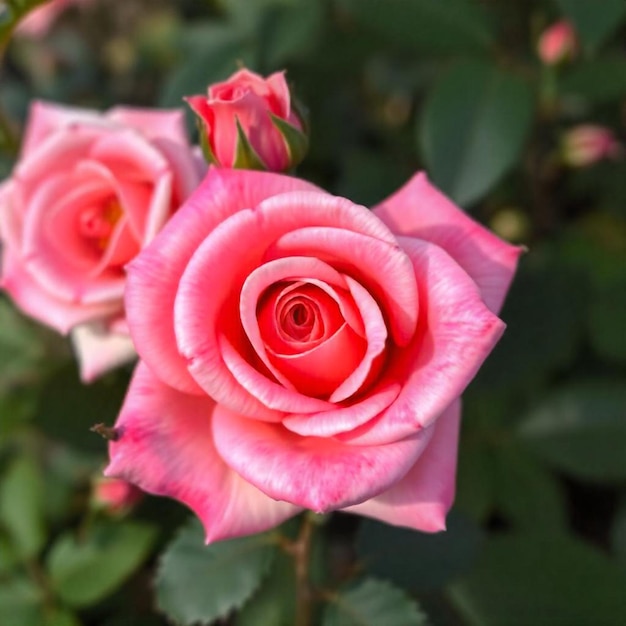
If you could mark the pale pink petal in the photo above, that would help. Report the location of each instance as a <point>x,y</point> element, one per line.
<point>166,447</point>
<point>34,300</point>
<point>99,350</point>
<point>343,418</point>
<point>250,232</point>
<point>315,473</point>
<point>382,267</point>
<point>154,275</point>
<point>455,334</point>
<point>423,497</point>
<point>152,123</point>
<point>420,210</point>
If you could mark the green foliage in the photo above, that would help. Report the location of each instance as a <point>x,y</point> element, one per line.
<point>83,570</point>
<point>232,570</point>
<point>544,581</point>
<point>473,127</point>
<point>371,603</point>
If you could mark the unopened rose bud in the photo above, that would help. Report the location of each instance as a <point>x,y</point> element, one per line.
<point>587,144</point>
<point>249,122</point>
<point>557,43</point>
<point>114,496</point>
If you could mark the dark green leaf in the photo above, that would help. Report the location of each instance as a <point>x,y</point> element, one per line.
<point>607,319</point>
<point>596,80</point>
<point>85,570</point>
<point>415,560</point>
<point>232,570</point>
<point>372,603</point>
<point>618,532</point>
<point>61,617</point>
<point>21,506</point>
<point>473,127</point>
<point>274,602</point>
<point>543,581</point>
<point>581,430</point>
<point>594,21</point>
<point>20,603</point>
<point>453,27</point>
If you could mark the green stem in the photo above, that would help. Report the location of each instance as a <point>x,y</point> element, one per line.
<point>301,551</point>
<point>9,140</point>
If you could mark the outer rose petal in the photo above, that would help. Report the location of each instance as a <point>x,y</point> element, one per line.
<point>455,334</point>
<point>99,349</point>
<point>166,448</point>
<point>423,497</point>
<point>320,474</point>
<point>154,275</point>
<point>420,210</point>
<point>153,124</point>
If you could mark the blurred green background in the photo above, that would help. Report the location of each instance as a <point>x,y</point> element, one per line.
<point>538,532</point>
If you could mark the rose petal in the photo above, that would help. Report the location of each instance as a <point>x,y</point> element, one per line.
<point>250,232</point>
<point>154,275</point>
<point>152,123</point>
<point>455,334</point>
<point>420,210</point>
<point>99,350</point>
<point>166,448</point>
<point>314,473</point>
<point>380,266</point>
<point>422,498</point>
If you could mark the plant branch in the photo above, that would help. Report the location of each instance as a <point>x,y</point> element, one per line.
<point>300,549</point>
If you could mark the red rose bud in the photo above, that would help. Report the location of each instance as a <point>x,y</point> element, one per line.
<point>587,144</point>
<point>114,496</point>
<point>557,43</point>
<point>248,122</point>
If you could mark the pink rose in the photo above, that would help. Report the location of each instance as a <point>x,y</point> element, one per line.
<point>39,20</point>
<point>248,122</point>
<point>557,43</point>
<point>301,352</point>
<point>114,496</point>
<point>88,192</point>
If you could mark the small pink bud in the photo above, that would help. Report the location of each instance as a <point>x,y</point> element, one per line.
<point>114,496</point>
<point>249,122</point>
<point>557,43</point>
<point>587,144</point>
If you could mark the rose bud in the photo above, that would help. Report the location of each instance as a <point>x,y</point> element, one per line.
<point>587,144</point>
<point>557,43</point>
<point>88,191</point>
<point>114,496</point>
<point>299,351</point>
<point>249,122</point>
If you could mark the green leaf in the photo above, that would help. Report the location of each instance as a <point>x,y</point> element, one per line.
<point>543,581</point>
<point>418,561</point>
<point>296,141</point>
<point>594,21</point>
<point>526,493</point>
<point>246,157</point>
<point>473,127</point>
<point>581,430</point>
<point>21,506</point>
<point>274,602</point>
<point>85,570</point>
<point>453,27</point>
<point>232,570</point>
<point>618,532</point>
<point>606,319</point>
<point>598,80</point>
<point>61,617</point>
<point>372,603</point>
<point>20,603</point>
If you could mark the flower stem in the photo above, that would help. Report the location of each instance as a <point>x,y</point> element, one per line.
<point>301,551</point>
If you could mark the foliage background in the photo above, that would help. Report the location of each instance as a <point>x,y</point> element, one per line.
<point>538,532</point>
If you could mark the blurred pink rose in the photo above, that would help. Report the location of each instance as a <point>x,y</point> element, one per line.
<point>586,144</point>
<point>269,127</point>
<point>87,193</point>
<point>114,496</point>
<point>38,22</point>
<point>557,43</point>
<point>301,352</point>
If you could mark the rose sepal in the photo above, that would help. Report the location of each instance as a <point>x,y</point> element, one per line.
<point>205,145</point>
<point>246,157</point>
<point>296,141</point>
